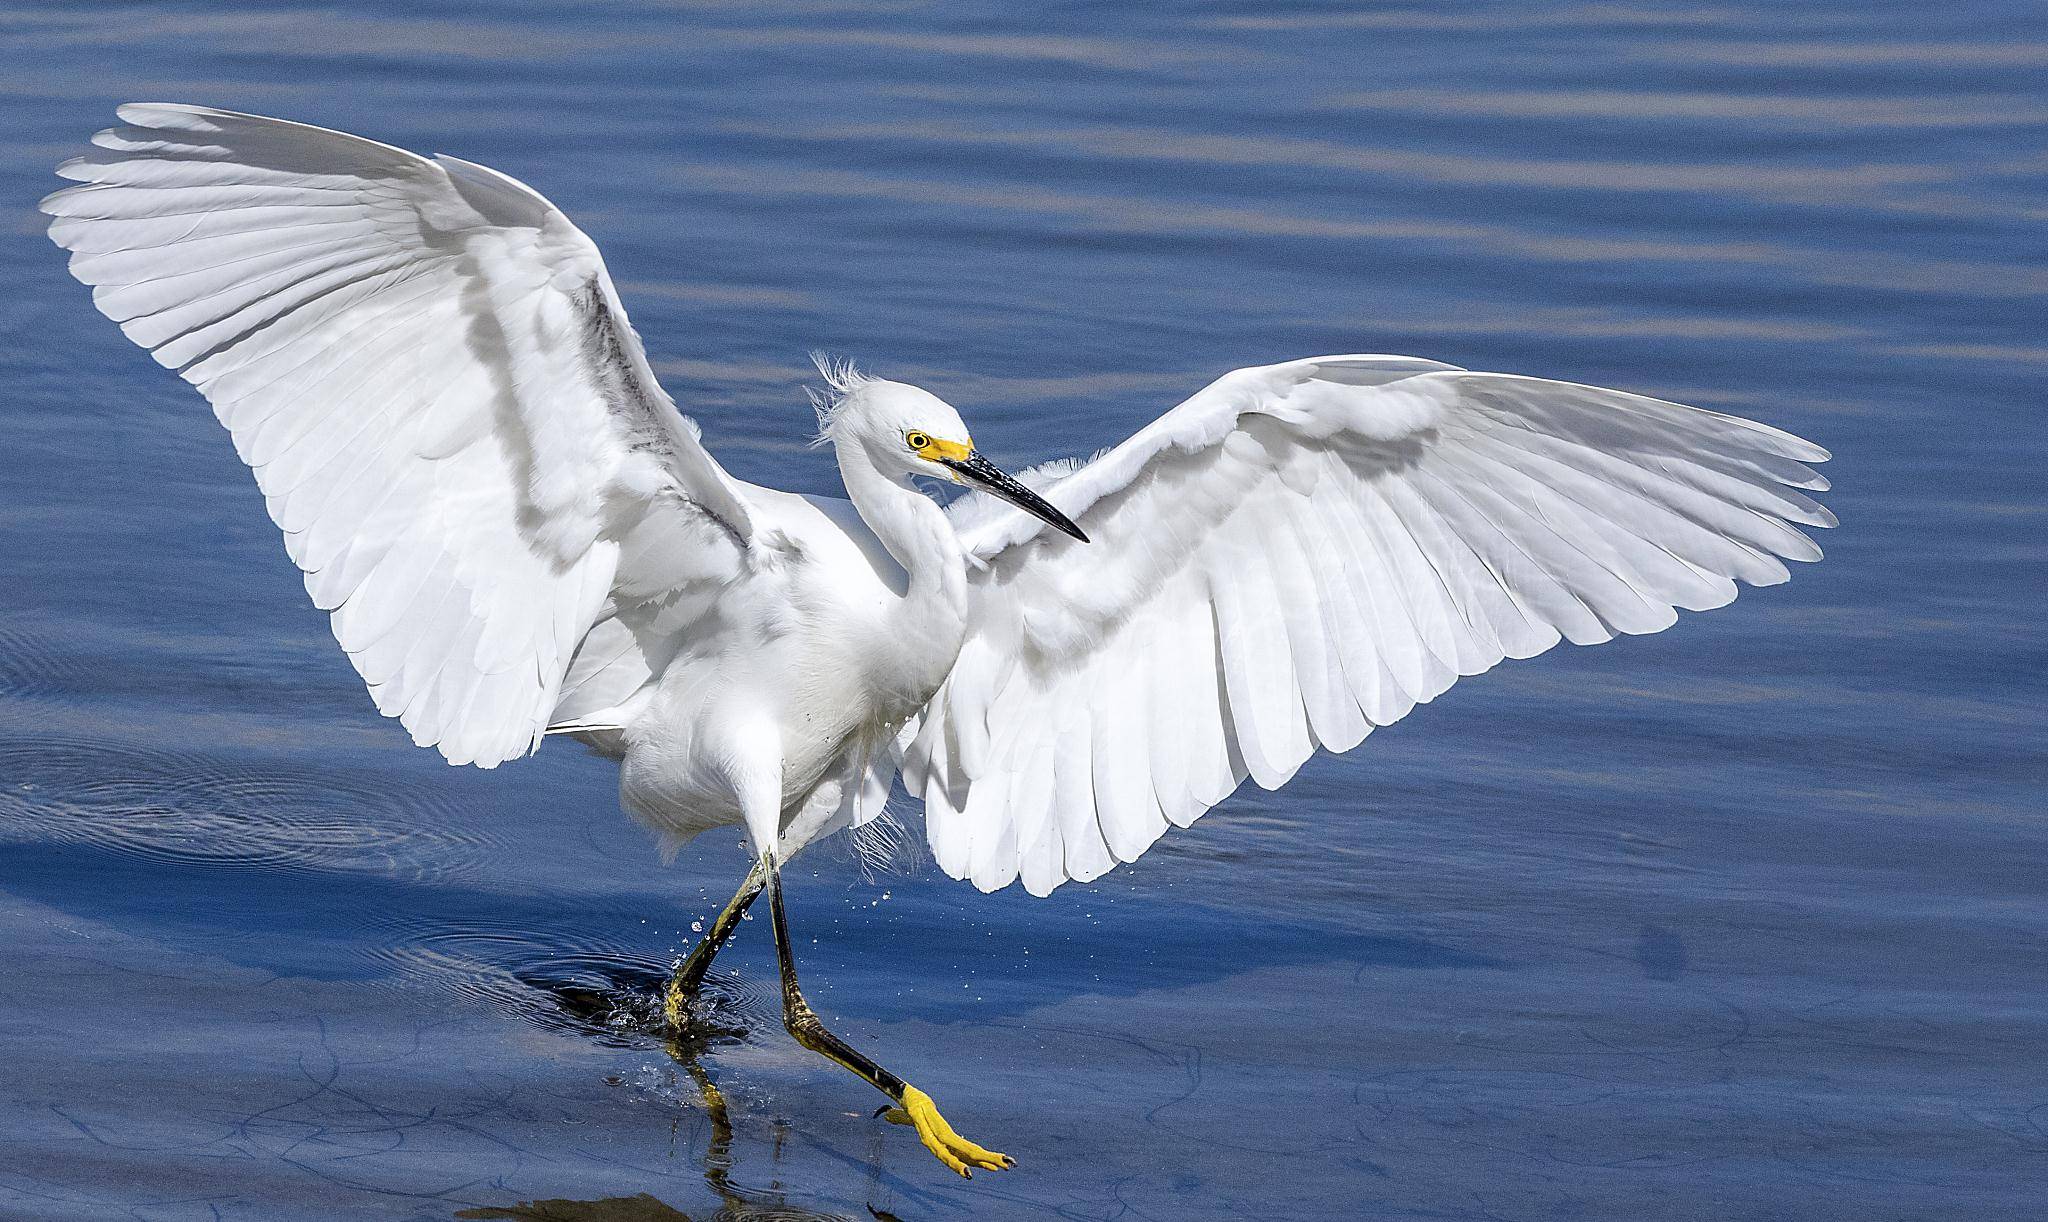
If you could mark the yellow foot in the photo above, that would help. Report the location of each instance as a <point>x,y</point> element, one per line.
<point>917,1110</point>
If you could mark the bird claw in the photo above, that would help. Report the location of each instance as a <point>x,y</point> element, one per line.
<point>917,1110</point>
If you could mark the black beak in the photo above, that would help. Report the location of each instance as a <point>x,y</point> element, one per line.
<point>985,475</point>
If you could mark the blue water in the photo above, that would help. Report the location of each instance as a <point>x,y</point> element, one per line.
<point>1741,921</point>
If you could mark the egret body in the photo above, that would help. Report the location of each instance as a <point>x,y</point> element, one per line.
<point>431,374</point>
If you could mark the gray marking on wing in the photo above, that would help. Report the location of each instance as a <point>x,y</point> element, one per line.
<point>604,353</point>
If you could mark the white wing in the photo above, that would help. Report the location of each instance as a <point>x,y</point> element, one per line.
<point>1302,552</point>
<point>429,370</point>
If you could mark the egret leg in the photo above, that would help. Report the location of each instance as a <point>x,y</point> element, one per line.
<point>683,986</point>
<point>913,1106</point>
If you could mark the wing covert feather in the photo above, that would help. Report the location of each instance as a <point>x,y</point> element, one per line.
<point>1301,553</point>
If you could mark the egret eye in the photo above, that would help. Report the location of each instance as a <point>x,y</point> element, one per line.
<point>916,440</point>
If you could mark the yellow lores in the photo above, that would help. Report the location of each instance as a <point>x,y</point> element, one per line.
<point>938,449</point>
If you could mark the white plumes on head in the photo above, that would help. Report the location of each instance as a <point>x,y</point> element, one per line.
<point>842,382</point>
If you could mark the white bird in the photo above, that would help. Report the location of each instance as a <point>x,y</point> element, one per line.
<point>431,374</point>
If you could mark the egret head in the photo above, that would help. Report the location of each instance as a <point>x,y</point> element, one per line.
<point>907,431</point>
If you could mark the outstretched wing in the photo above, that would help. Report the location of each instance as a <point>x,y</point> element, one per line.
<point>429,371</point>
<point>1298,554</point>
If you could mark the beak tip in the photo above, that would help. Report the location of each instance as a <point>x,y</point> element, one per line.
<point>990,478</point>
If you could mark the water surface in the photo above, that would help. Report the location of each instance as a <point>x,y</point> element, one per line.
<point>1739,921</point>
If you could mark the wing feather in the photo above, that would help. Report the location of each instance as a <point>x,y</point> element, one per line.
<point>428,369</point>
<point>1303,552</point>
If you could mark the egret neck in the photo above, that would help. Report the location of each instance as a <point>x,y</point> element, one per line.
<point>931,620</point>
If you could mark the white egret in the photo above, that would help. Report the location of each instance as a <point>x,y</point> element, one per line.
<point>431,373</point>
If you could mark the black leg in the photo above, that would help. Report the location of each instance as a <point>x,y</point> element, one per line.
<point>683,986</point>
<point>913,1106</point>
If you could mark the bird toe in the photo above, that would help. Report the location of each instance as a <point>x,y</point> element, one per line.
<point>917,1110</point>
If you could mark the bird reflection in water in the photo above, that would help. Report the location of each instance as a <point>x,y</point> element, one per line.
<point>620,1004</point>
<point>736,1202</point>
<point>640,1208</point>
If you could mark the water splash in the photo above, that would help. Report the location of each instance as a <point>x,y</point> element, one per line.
<point>566,981</point>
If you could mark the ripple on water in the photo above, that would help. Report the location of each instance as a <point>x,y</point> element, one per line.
<point>564,981</point>
<point>31,666</point>
<point>192,809</point>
